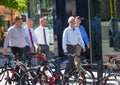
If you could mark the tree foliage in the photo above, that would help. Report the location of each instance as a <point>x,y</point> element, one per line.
<point>19,5</point>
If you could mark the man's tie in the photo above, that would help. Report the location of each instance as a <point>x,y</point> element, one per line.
<point>44,36</point>
<point>31,39</point>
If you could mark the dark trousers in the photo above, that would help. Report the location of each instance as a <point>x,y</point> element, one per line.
<point>45,50</point>
<point>71,65</point>
<point>18,52</point>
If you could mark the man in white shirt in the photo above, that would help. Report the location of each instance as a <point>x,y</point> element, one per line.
<point>71,38</point>
<point>19,42</point>
<point>42,33</point>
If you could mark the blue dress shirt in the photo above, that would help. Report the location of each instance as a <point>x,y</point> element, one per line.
<point>72,37</point>
<point>17,37</point>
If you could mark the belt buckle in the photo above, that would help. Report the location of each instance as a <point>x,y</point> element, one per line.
<point>21,47</point>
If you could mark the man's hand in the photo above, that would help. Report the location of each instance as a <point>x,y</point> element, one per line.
<point>31,49</point>
<point>84,49</point>
<point>88,46</point>
<point>39,48</point>
<point>65,53</point>
<point>4,52</point>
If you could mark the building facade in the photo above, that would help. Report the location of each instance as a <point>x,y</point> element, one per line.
<point>7,17</point>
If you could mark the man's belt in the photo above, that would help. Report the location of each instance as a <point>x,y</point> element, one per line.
<point>71,45</point>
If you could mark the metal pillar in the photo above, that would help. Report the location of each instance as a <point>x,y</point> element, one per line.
<point>28,8</point>
<point>100,71</point>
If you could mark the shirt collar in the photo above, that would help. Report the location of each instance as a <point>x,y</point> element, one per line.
<point>16,26</point>
<point>77,25</point>
<point>71,28</point>
<point>41,26</point>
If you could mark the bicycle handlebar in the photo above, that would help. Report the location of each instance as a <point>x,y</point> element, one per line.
<point>70,54</point>
<point>9,57</point>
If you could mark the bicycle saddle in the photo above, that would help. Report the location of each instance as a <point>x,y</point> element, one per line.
<point>111,55</point>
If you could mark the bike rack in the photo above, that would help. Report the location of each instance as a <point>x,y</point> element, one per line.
<point>99,71</point>
<point>58,68</point>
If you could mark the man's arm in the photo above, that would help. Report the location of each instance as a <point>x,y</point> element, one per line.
<point>6,41</point>
<point>64,41</point>
<point>28,41</point>
<point>84,36</point>
<point>34,37</point>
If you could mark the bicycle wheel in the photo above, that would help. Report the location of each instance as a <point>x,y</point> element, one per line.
<point>81,77</point>
<point>6,66</point>
<point>75,78</point>
<point>89,77</point>
<point>9,77</point>
<point>85,77</point>
<point>33,77</point>
<point>112,79</point>
<point>2,69</point>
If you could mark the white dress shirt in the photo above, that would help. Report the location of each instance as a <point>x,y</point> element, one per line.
<point>34,37</point>
<point>72,37</point>
<point>40,35</point>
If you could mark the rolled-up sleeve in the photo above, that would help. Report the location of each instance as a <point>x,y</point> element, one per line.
<point>84,35</point>
<point>64,41</point>
<point>7,38</point>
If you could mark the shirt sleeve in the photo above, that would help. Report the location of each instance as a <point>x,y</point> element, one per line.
<point>34,37</point>
<point>64,41</point>
<point>27,38</point>
<point>7,38</point>
<point>84,35</point>
<point>48,34</point>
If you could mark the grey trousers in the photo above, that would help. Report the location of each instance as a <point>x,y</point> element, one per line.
<point>45,50</point>
<point>77,59</point>
<point>71,65</point>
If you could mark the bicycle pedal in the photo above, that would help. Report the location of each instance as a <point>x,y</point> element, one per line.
<point>66,75</point>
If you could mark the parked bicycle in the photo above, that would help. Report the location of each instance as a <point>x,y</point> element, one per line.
<point>81,76</point>
<point>6,61</point>
<point>9,75</point>
<point>112,72</point>
<point>35,76</point>
<point>51,73</point>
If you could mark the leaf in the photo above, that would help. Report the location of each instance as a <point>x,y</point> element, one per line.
<point>19,5</point>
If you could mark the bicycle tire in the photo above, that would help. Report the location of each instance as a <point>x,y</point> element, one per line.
<point>89,77</point>
<point>82,78</point>
<point>33,77</point>
<point>113,78</point>
<point>5,67</point>
<point>2,69</point>
<point>7,77</point>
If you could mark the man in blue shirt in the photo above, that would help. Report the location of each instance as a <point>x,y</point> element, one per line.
<point>82,31</point>
<point>71,37</point>
<point>17,39</point>
<point>84,36</point>
<point>19,42</point>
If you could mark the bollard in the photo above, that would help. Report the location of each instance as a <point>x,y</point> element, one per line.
<point>99,71</point>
